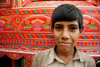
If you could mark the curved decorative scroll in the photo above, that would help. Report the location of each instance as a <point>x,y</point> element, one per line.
<point>7,25</point>
<point>39,23</point>
<point>16,56</point>
<point>91,24</point>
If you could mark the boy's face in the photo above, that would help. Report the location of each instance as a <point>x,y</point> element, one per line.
<point>66,34</point>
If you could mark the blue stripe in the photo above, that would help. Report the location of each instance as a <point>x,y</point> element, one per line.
<point>1,40</point>
<point>36,42</point>
<point>44,42</point>
<point>12,41</point>
<point>17,41</point>
<point>24,41</point>
<point>6,41</point>
<point>81,43</point>
<point>89,43</point>
<point>51,42</point>
<point>30,41</point>
<point>96,43</point>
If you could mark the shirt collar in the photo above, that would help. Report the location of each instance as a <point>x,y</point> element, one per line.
<point>53,55</point>
<point>78,55</point>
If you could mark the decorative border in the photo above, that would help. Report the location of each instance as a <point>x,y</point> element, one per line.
<point>27,63</point>
<point>30,55</point>
<point>22,48</point>
<point>21,23</point>
<point>95,2</point>
<point>43,36</point>
<point>56,3</point>
<point>20,3</point>
<point>16,56</point>
<point>36,49</point>
<point>46,10</point>
<point>6,4</point>
<point>46,42</point>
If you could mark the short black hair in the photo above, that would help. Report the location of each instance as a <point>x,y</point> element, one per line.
<point>67,12</point>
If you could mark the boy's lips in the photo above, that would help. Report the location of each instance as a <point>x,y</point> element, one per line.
<point>64,43</point>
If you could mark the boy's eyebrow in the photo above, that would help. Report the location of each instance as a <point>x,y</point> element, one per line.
<point>73,25</point>
<point>68,25</point>
<point>59,25</point>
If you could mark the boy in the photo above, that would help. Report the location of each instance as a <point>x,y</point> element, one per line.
<point>67,26</point>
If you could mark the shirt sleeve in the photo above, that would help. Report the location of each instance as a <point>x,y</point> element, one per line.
<point>94,64</point>
<point>91,63</point>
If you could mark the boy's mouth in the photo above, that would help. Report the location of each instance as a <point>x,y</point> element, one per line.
<point>65,43</point>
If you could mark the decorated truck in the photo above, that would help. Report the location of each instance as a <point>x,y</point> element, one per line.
<point>25,29</point>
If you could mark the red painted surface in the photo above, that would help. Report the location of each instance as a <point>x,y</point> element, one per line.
<point>25,31</point>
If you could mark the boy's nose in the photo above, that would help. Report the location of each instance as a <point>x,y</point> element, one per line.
<point>65,35</point>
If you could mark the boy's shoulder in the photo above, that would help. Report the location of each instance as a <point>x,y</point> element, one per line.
<point>88,59</point>
<point>85,56</point>
<point>41,58</point>
<point>43,53</point>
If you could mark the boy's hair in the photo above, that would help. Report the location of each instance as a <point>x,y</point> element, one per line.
<point>67,12</point>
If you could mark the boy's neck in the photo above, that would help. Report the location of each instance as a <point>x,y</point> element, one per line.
<point>65,55</point>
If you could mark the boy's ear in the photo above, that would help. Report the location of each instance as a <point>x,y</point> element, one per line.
<point>81,30</point>
<point>52,30</point>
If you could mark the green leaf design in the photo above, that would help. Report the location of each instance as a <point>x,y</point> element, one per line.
<point>46,25</point>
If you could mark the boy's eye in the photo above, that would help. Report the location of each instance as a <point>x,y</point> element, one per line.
<point>58,28</point>
<point>73,28</point>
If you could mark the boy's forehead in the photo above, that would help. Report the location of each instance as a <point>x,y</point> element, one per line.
<point>67,23</point>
